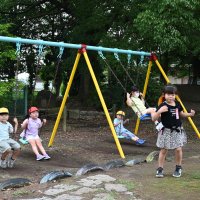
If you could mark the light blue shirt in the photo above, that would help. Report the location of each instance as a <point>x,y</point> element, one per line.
<point>5,130</point>
<point>119,128</point>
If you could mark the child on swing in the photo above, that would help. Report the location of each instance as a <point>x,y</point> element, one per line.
<point>121,131</point>
<point>7,144</point>
<point>172,136</point>
<point>136,101</point>
<point>31,128</point>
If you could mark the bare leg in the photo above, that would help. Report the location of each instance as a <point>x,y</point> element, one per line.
<point>41,148</point>
<point>34,146</point>
<point>162,156</point>
<point>178,155</point>
<point>5,154</point>
<point>15,154</point>
<point>150,110</point>
<point>135,138</point>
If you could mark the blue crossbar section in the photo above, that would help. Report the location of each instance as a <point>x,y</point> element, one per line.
<point>73,46</point>
<point>145,117</point>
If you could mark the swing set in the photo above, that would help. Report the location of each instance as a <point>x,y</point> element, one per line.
<point>82,50</point>
<point>141,116</point>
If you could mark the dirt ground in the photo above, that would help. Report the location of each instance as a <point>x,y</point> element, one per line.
<point>91,141</point>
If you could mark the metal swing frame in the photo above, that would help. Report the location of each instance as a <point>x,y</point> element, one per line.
<point>82,49</point>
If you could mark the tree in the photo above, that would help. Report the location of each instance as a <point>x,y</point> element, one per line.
<point>169,27</point>
<point>7,55</point>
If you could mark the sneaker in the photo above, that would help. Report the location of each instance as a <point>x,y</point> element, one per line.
<point>11,163</point>
<point>140,141</point>
<point>39,157</point>
<point>46,157</point>
<point>177,172</point>
<point>159,172</point>
<point>3,163</point>
<point>159,126</point>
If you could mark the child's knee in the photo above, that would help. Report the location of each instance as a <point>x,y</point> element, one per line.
<point>179,149</point>
<point>152,110</point>
<point>163,151</point>
<point>8,150</point>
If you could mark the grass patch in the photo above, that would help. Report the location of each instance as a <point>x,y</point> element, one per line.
<point>112,196</point>
<point>20,193</point>
<point>190,180</point>
<point>129,184</point>
<point>195,175</point>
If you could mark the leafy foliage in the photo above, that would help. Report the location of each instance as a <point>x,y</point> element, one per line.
<point>168,27</point>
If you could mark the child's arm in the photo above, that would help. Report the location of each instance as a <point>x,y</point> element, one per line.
<point>44,121</point>
<point>142,98</point>
<point>24,124</point>
<point>126,121</point>
<point>116,124</point>
<point>128,100</point>
<point>16,124</point>
<point>156,115</point>
<point>191,114</point>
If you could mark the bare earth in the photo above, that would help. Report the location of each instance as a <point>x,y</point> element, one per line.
<point>91,141</point>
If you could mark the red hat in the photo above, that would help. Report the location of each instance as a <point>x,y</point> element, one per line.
<point>33,109</point>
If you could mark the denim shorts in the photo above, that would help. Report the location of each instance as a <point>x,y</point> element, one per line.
<point>8,145</point>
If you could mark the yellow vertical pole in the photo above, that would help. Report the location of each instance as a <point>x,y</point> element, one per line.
<point>144,92</point>
<point>103,105</point>
<point>64,99</point>
<point>178,98</point>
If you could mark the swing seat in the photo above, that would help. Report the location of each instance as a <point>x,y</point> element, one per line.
<point>23,140</point>
<point>120,137</point>
<point>145,117</point>
<point>138,142</point>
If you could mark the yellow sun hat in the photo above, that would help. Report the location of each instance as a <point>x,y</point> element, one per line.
<point>4,110</point>
<point>120,112</point>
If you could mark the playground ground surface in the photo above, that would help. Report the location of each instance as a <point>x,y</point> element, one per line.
<point>91,141</point>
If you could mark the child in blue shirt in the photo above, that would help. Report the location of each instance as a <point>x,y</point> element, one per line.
<point>121,131</point>
<point>7,144</point>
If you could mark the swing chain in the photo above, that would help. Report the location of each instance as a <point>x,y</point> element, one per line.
<point>101,55</point>
<point>56,73</point>
<point>18,47</point>
<point>116,56</point>
<point>60,52</point>
<point>141,60</point>
<point>129,59</point>
<point>40,52</point>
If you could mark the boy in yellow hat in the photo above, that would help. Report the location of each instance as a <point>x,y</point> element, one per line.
<point>6,143</point>
<point>121,131</point>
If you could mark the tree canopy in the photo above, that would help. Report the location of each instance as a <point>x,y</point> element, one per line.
<point>168,27</point>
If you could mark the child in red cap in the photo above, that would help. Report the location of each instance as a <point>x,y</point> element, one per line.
<point>31,127</point>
